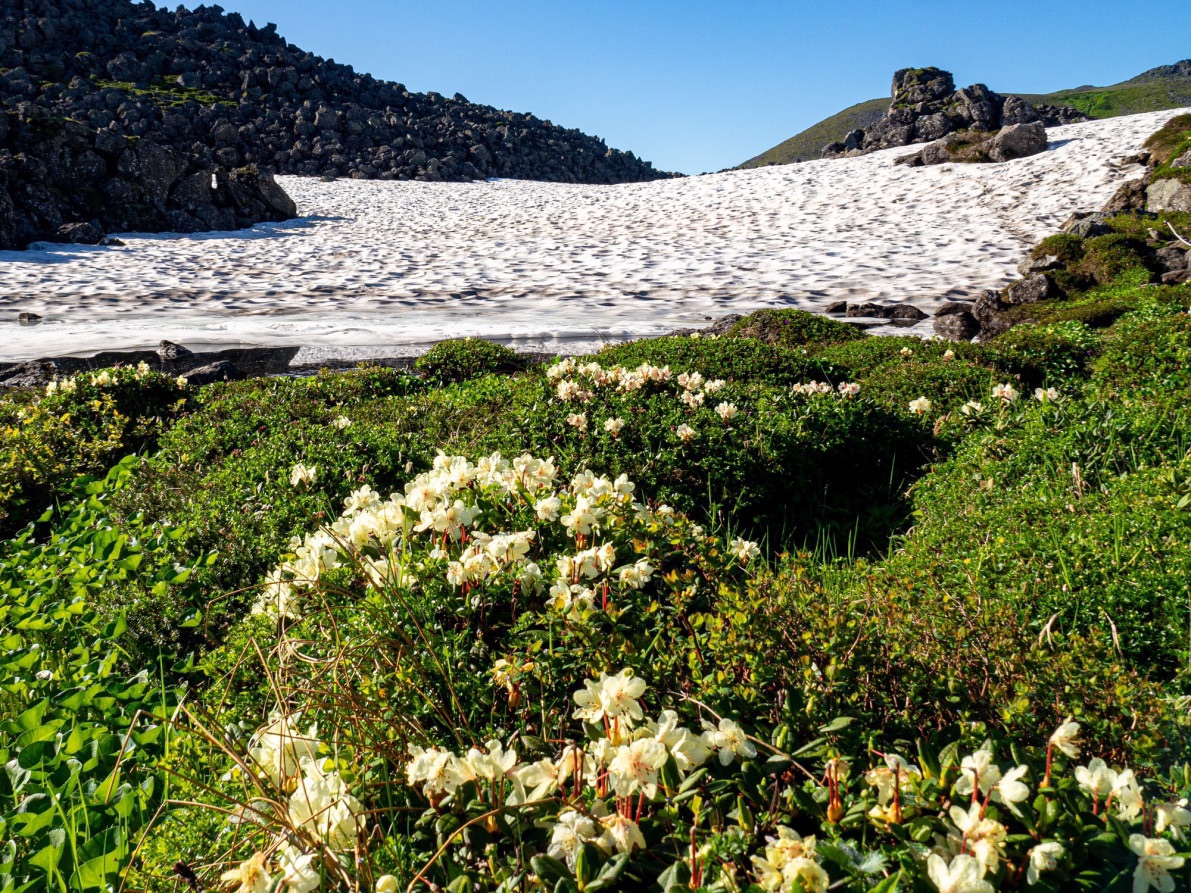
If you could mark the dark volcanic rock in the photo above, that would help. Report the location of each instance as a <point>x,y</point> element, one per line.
<point>907,311</point>
<point>120,112</point>
<point>57,183</point>
<point>836,307</point>
<point>1130,196</point>
<point>927,108</point>
<point>1086,226</point>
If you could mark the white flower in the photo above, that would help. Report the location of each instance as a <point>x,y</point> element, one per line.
<point>727,411</point>
<point>1127,795</point>
<point>849,388</point>
<point>614,426</point>
<point>1044,857</point>
<point>1011,790</point>
<point>182,382</point>
<point>1050,395</point>
<point>977,768</point>
<point>303,475</point>
<point>984,838</point>
<point>386,883</point>
<point>715,386</point>
<point>922,405</point>
<point>494,765</point>
<point>568,835</point>
<point>297,872</point>
<point>578,421</point>
<point>1065,738</point>
<point>963,875</point>
<point>548,509</point>
<point>430,768</point>
<point>142,369</point>
<point>686,433</point>
<point>972,407</point>
<point>1155,861</point>
<point>906,352</point>
<point>1005,392</point>
<point>949,354</point>
<point>323,807</point>
<point>729,739</point>
<point>249,876</point>
<point>1096,778</point>
<point>341,422</point>
<point>612,697</point>
<point>635,576</point>
<point>1174,816</point>
<point>744,550</point>
<point>634,768</point>
<point>620,835</point>
<point>278,749</point>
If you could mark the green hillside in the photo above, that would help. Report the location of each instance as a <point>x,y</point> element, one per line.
<point>808,144</point>
<point>1168,87</point>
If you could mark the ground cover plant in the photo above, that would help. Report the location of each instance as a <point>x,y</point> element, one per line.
<point>792,608</point>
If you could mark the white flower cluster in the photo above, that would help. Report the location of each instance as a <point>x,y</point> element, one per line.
<point>618,768</point>
<point>846,389</point>
<point>790,864</point>
<point>104,378</point>
<point>443,511</point>
<point>975,844</point>
<point>317,804</point>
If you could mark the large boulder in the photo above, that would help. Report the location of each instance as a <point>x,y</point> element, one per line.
<point>1168,195</point>
<point>1018,141</point>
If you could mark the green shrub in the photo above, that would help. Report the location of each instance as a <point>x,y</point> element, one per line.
<point>794,328</point>
<point>80,425</point>
<point>744,360</point>
<point>1107,257</point>
<point>459,359</point>
<point>81,739</point>
<point>1061,350</point>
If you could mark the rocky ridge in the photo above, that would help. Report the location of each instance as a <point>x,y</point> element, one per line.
<point>926,107</point>
<point>233,93</point>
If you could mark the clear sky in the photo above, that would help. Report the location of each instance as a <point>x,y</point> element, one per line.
<point>700,85</point>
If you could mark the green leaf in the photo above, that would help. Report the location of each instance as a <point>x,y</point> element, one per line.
<point>549,870</point>
<point>677,876</point>
<point>48,856</point>
<point>837,725</point>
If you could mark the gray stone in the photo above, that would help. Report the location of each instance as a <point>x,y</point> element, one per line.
<point>874,311</point>
<point>1171,260</point>
<point>1182,161</point>
<point>28,319</point>
<point>1018,141</point>
<point>1039,264</point>
<point>952,308</point>
<point>1168,195</point>
<point>1130,196</point>
<point>836,307</point>
<point>170,352</point>
<point>958,326</point>
<point>1030,290</point>
<point>907,312</point>
<point>987,307</point>
<point>215,372</point>
<point>1017,111</point>
<point>1086,226</point>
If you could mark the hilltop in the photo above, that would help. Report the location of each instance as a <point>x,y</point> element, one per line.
<point>1165,87</point>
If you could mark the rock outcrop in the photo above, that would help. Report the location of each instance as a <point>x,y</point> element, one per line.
<point>926,107</point>
<point>973,147</point>
<point>221,92</point>
<point>63,181</point>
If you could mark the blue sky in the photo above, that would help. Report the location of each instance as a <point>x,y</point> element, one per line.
<point>699,85</point>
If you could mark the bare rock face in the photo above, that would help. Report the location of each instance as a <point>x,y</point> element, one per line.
<point>1035,287</point>
<point>955,321</point>
<point>926,108</point>
<point>1168,195</point>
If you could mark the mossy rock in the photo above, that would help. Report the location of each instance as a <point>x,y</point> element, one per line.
<point>459,359</point>
<point>794,328</point>
<point>1067,247</point>
<point>1107,257</point>
<point>1166,143</point>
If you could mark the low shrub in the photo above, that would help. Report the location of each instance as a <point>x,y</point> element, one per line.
<point>79,425</point>
<point>459,359</point>
<point>794,328</point>
<point>1061,350</point>
<point>1171,140</point>
<point>742,360</point>
<point>1107,257</point>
